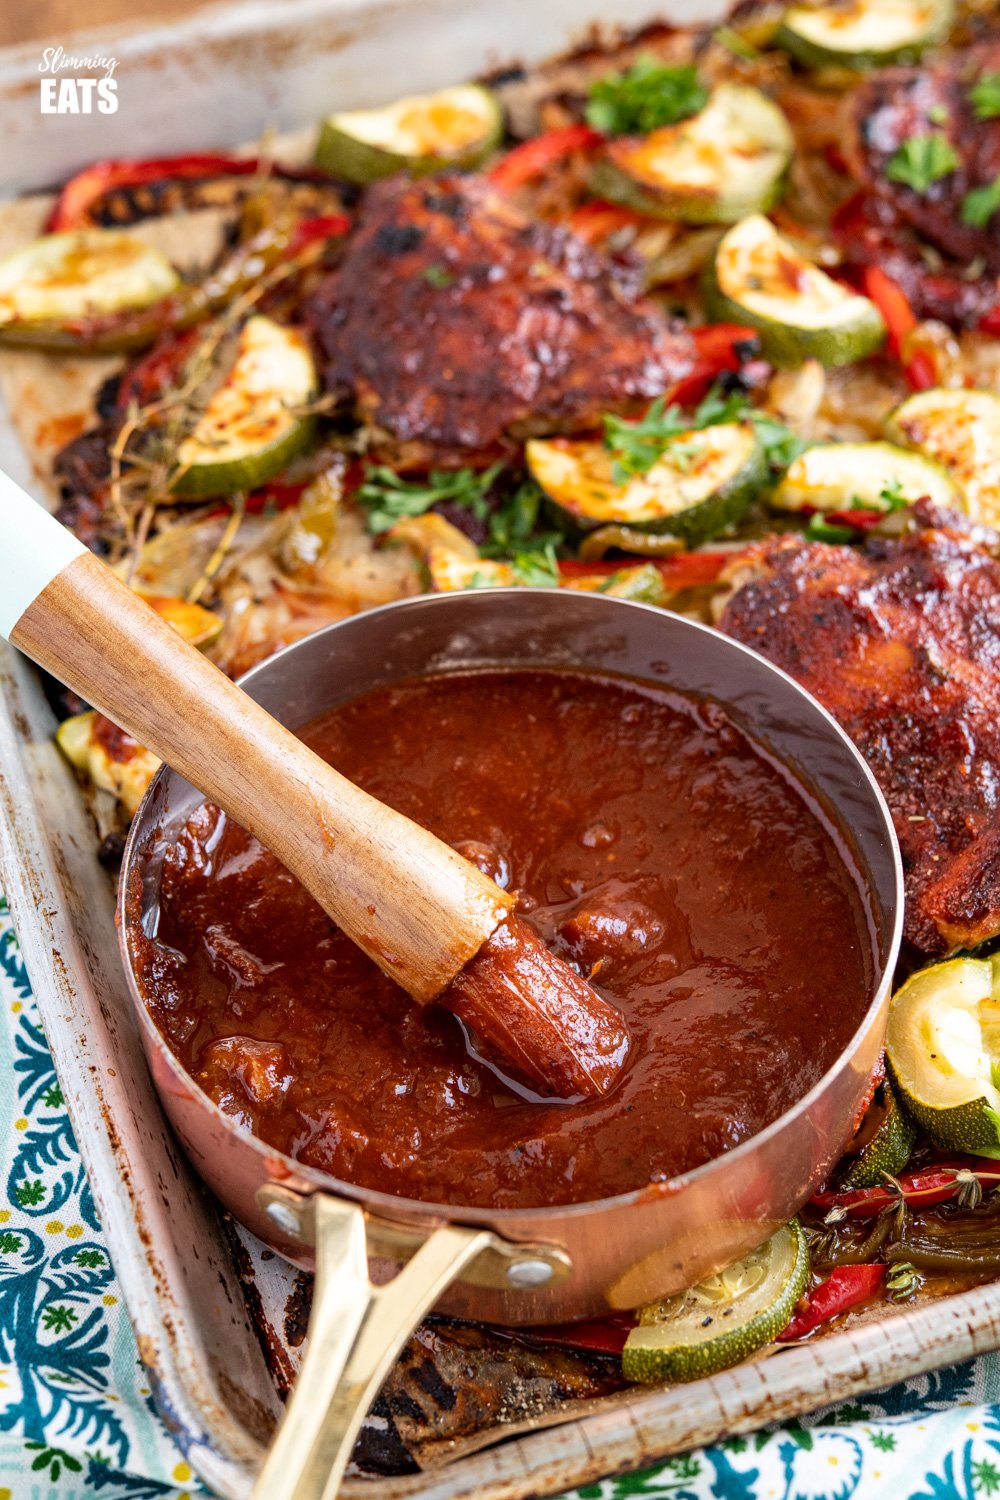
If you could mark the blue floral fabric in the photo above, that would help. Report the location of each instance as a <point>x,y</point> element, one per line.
<point>76,1418</point>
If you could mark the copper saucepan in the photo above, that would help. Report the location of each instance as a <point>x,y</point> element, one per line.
<point>515,1266</point>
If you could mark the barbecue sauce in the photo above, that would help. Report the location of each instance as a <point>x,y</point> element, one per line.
<point>652,844</point>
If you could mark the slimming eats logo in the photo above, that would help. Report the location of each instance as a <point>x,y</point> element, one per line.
<point>77,96</point>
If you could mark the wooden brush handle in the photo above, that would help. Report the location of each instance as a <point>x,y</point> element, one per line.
<point>416,907</point>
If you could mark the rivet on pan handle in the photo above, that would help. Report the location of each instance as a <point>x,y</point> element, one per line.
<point>356,1330</point>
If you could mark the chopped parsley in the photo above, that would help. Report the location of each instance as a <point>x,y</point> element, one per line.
<point>979,205</point>
<point>388,497</point>
<point>637,446</point>
<point>645,98</point>
<point>513,525</point>
<point>512,521</point>
<point>537,570</point>
<point>922,160</point>
<point>985,96</point>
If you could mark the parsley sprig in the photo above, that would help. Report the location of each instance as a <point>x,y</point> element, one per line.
<point>512,521</point>
<point>922,161</point>
<point>645,98</point>
<point>980,204</point>
<point>985,96</point>
<point>388,497</point>
<point>637,446</point>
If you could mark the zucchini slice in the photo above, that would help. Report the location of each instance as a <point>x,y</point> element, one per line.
<point>250,429</point>
<point>943,1051</point>
<point>456,127</point>
<point>704,482</point>
<point>887,1150</point>
<point>960,430</point>
<point>723,1319</point>
<point>726,161</point>
<point>867,476</point>
<point>860,34</point>
<point>63,277</point>
<point>758,279</point>
<point>111,762</point>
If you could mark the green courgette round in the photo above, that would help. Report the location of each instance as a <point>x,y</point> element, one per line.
<point>253,424</point>
<point>863,34</point>
<point>725,1318</point>
<point>756,278</point>
<point>456,127</point>
<point>63,277</point>
<point>889,1148</point>
<point>869,476</point>
<point>960,430</point>
<point>727,161</point>
<point>703,483</point>
<point>943,1052</point>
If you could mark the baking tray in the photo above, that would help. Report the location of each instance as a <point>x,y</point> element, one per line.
<point>207,1301</point>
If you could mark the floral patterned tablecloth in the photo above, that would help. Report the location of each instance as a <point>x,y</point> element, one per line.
<point>76,1418</point>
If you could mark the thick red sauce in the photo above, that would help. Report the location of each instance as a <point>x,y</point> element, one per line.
<point>652,845</point>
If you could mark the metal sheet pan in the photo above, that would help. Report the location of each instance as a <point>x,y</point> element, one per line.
<point>210,1327</point>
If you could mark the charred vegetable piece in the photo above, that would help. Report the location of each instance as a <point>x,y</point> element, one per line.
<point>959,429</point>
<point>723,1319</point>
<point>61,277</point>
<point>943,1051</point>
<point>87,191</point>
<point>868,476</point>
<point>889,1148</point>
<point>704,482</point>
<point>863,33</point>
<point>969,1242</point>
<point>116,332</point>
<point>106,757</point>
<point>799,311</point>
<point>253,424</point>
<point>727,161</point>
<point>456,127</point>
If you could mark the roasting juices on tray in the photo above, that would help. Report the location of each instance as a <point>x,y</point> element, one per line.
<point>650,843</point>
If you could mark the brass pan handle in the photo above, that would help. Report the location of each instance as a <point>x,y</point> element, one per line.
<point>356,1331</point>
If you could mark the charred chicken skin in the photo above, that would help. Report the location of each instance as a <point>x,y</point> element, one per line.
<point>901,642</point>
<point>935,102</point>
<point>457,325</point>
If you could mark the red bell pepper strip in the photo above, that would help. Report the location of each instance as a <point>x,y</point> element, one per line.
<point>857,520</point>
<point>280,496</point>
<point>603,1335</point>
<point>534,157</point>
<point>72,209</point>
<point>845,1287</point>
<point>322,227</point>
<point>900,319</point>
<point>990,322</point>
<point>924,1188</point>
<point>717,347</point>
<point>594,221</point>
